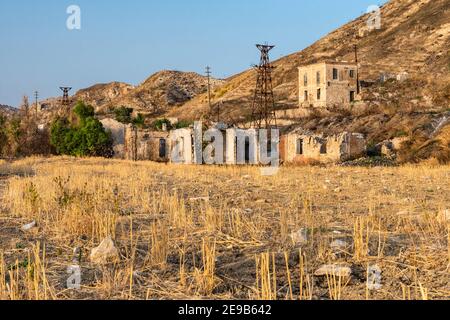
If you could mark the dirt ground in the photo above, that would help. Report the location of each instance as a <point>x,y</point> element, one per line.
<point>189,232</point>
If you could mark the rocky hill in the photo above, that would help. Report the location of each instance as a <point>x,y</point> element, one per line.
<point>155,96</point>
<point>164,90</point>
<point>100,95</point>
<point>414,38</point>
<point>7,110</point>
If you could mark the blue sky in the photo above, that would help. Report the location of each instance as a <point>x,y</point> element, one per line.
<point>129,40</point>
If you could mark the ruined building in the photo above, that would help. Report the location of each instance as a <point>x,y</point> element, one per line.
<point>328,84</point>
<point>299,146</point>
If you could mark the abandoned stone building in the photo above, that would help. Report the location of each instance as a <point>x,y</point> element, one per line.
<point>186,146</point>
<point>298,146</point>
<point>328,84</point>
<point>148,145</point>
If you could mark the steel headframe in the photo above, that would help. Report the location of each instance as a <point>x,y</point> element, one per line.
<point>263,108</point>
<point>65,99</point>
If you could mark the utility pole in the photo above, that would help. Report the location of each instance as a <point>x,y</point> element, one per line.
<point>208,74</point>
<point>36,97</point>
<point>219,105</point>
<point>357,69</point>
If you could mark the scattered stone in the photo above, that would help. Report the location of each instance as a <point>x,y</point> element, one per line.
<point>300,237</point>
<point>333,270</point>
<point>248,211</point>
<point>338,190</point>
<point>339,245</point>
<point>105,253</point>
<point>29,226</point>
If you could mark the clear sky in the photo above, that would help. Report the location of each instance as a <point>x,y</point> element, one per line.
<point>129,40</point>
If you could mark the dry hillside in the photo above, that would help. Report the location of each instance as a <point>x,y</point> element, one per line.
<point>155,96</point>
<point>414,38</point>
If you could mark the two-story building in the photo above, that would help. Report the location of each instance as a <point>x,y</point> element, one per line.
<point>328,84</point>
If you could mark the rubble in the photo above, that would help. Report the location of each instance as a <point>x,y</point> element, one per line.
<point>333,270</point>
<point>105,253</point>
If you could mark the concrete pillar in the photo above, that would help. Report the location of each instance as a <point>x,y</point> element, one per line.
<point>230,152</point>
<point>198,143</point>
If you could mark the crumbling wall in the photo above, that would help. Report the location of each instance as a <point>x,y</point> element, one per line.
<point>117,130</point>
<point>298,147</point>
<point>147,145</point>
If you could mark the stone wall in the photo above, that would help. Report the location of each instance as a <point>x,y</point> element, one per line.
<point>298,147</point>
<point>147,145</point>
<point>117,130</point>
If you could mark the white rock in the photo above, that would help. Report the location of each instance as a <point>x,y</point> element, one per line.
<point>333,270</point>
<point>339,245</point>
<point>29,226</point>
<point>106,252</point>
<point>300,237</point>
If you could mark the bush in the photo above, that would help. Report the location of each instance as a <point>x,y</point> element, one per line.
<point>123,114</point>
<point>158,124</point>
<point>139,121</point>
<point>87,138</point>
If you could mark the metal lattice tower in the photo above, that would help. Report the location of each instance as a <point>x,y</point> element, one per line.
<point>264,103</point>
<point>208,74</point>
<point>65,99</point>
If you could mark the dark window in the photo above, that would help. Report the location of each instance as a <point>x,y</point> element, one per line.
<point>247,149</point>
<point>300,146</point>
<point>323,148</point>
<point>335,74</point>
<point>305,80</point>
<point>318,77</point>
<point>162,148</point>
<point>318,94</point>
<point>306,96</point>
<point>352,96</point>
<point>352,73</point>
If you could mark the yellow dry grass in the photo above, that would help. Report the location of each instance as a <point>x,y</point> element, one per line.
<point>222,232</point>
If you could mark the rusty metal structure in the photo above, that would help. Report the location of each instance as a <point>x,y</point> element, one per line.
<point>263,108</point>
<point>65,99</point>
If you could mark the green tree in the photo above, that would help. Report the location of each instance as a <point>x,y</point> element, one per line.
<point>86,138</point>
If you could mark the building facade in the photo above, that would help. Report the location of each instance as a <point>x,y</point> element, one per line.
<point>328,84</point>
<point>298,147</point>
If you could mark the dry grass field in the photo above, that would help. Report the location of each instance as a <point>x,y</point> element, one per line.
<point>187,232</point>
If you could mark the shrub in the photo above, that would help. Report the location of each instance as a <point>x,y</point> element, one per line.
<point>158,124</point>
<point>87,138</point>
<point>123,114</point>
